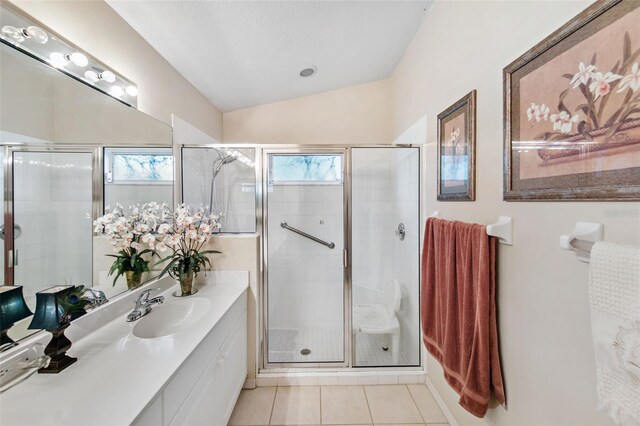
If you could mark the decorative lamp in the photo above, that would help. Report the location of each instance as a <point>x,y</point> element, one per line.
<point>12,309</point>
<point>51,315</point>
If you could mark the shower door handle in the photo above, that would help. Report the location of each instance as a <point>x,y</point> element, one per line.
<point>345,258</point>
<point>304,234</point>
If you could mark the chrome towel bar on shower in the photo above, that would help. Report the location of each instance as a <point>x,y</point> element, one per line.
<point>304,234</point>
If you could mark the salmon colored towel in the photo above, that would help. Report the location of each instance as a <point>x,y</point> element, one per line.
<point>459,311</point>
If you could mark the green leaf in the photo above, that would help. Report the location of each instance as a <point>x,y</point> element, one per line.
<point>168,267</point>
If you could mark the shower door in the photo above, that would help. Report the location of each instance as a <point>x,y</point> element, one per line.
<point>385,250</point>
<point>304,253</point>
<point>52,238</point>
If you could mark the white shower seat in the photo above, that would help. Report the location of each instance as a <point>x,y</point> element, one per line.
<point>381,319</point>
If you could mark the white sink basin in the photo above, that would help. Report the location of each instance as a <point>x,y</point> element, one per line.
<point>166,319</point>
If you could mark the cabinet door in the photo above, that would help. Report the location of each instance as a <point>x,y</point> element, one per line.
<point>211,400</point>
<point>203,404</point>
<point>234,366</point>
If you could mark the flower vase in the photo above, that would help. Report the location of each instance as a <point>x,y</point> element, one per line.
<point>186,286</point>
<point>134,279</point>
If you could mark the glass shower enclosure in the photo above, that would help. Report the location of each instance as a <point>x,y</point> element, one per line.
<point>340,229</point>
<point>341,256</point>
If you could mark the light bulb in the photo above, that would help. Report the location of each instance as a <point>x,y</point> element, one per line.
<point>92,76</point>
<point>58,60</point>
<point>116,91</point>
<point>12,33</point>
<point>132,91</point>
<point>37,34</point>
<point>79,59</point>
<point>107,76</point>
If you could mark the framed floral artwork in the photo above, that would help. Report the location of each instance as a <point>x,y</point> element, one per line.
<point>457,151</point>
<point>572,110</point>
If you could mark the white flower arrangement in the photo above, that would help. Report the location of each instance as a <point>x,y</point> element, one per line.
<point>129,236</point>
<point>151,228</point>
<point>185,234</point>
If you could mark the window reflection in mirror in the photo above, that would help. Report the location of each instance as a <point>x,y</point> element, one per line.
<point>138,176</point>
<point>132,176</point>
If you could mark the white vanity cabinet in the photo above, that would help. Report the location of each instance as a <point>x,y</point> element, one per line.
<point>205,388</point>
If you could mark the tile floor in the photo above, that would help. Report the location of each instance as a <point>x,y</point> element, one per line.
<point>337,405</point>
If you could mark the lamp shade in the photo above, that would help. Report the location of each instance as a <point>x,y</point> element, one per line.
<point>49,307</point>
<point>12,305</point>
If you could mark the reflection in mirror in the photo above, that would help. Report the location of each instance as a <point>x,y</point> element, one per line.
<point>223,178</point>
<point>132,177</point>
<point>52,206</point>
<point>39,104</point>
<point>52,131</point>
<point>138,175</point>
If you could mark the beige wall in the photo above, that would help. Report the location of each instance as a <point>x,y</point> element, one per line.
<point>358,114</point>
<point>99,30</point>
<point>545,335</point>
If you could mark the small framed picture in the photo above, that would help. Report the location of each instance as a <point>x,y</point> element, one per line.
<point>572,110</point>
<point>457,151</point>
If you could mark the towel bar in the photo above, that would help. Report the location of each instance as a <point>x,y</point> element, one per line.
<point>502,229</point>
<point>582,239</point>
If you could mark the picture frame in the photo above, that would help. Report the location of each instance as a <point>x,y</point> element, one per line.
<point>572,111</point>
<point>457,150</point>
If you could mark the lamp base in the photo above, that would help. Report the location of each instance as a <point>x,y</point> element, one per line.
<point>57,365</point>
<point>57,350</point>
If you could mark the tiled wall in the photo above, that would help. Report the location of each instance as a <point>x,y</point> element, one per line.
<point>55,245</point>
<point>305,278</point>
<point>128,195</point>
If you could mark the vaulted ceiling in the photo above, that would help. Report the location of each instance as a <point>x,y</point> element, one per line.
<point>246,53</point>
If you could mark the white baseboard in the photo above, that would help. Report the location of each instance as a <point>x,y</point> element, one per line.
<point>443,407</point>
<point>332,378</point>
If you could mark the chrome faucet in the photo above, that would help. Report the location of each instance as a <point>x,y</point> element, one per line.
<point>143,305</point>
<point>95,297</point>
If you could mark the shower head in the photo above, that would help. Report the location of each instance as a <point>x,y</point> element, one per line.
<point>223,160</point>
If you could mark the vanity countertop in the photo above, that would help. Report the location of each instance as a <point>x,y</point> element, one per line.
<point>117,374</point>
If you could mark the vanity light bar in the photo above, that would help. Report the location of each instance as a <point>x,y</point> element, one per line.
<point>22,32</point>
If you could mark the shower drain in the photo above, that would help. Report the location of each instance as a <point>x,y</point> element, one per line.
<point>305,351</point>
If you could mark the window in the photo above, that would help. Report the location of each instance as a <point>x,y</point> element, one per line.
<point>305,168</point>
<point>138,166</point>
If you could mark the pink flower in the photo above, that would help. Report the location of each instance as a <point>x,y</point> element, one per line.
<point>563,122</point>
<point>600,86</point>
<point>538,112</point>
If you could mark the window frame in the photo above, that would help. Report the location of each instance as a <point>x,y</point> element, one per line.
<point>109,162</point>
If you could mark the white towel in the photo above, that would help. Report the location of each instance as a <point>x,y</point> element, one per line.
<point>614,294</point>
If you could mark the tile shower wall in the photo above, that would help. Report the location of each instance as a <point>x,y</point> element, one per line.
<point>55,245</point>
<point>385,194</point>
<point>306,278</point>
<point>128,195</point>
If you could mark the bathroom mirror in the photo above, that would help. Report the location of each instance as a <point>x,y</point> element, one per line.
<point>223,179</point>
<point>68,151</point>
